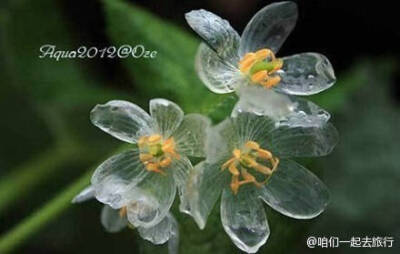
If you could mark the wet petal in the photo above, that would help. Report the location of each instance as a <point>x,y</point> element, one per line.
<point>285,110</point>
<point>151,199</point>
<point>85,195</point>
<point>190,137</point>
<point>249,126</point>
<point>166,230</point>
<point>286,141</point>
<point>111,219</point>
<point>181,170</point>
<point>121,119</point>
<point>219,76</point>
<point>220,141</point>
<point>234,132</point>
<point>305,113</point>
<point>295,192</point>
<point>203,189</point>
<point>116,176</point>
<point>244,219</point>
<point>216,32</point>
<point>269,28</point>
<point>167,116</point>
<point>263,102</point>
<point>306,74</point>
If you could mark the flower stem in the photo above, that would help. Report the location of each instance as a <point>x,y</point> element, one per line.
<point>42,216</point>
<point>10,240</point>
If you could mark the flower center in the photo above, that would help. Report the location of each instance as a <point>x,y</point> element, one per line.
<point>157,153</point>
<point>261,67</point>
<point>250,158</point>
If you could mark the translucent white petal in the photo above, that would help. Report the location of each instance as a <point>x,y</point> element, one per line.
<point>216,32</point>
<point>306,74</point>
<point>116,176</point>
<point>249,126</point>
<point>203,190</point>
<point>286,142</point>
<point>167,116</point>
<point>244,219</point>
<point>220,141</point>
<point>85,195</point>
<point>162,232</point>
<point>151,199</point>
<point>218,75</point>
<point>235,132</point>
<point>121,119</point>
<point>295,192</point>
<point>111,219</point>
<point>181,170</point>
<point>305,113</point>
<point>261,101</point>
<point>269,28</point>
<point>190,137</point>
<point>285,110</point>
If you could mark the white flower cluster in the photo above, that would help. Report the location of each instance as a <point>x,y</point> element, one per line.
<point>246,157</point>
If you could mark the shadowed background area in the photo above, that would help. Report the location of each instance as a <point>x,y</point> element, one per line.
<point>49,147</point>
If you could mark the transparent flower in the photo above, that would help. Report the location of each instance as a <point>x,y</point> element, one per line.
<point>248,162</point>
<point>114,220</point>
<point>143,180</point>
<point>227,62</point>
<point>285,110</point>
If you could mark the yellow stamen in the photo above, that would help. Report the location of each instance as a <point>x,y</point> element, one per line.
<point>260,66</point>
<point>265,154</point>
<point>122,212</point>
<point>236,153</point>
<point>142,141</point>
<point>250,157</point>
<point>227,163</point>
<point>145,157</point>
<point>263,169</point>
<point>252,145</point>
<point>271,81</point>
<point>235,184</point>
<point>247,62</point>
<point>152,167</point>
<point>259,77</point>
<point>165,162</point>
<point>233,169</point>
<point>154,138</point>
<point>264,53</point>
<point>157,153</point>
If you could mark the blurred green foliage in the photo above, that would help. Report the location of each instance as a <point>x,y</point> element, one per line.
<point>363,173</point>
<point>45,106</point>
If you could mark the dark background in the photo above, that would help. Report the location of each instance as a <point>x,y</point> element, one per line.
<point>360,38</point>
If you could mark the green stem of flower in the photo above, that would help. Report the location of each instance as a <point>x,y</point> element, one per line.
<point>32,173</point>
<point>10,240</point>
<point>42,216</point>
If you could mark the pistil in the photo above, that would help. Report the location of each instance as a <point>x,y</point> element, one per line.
<point>249,158</point>
<point>157,153</point>
<point>261,67</point>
